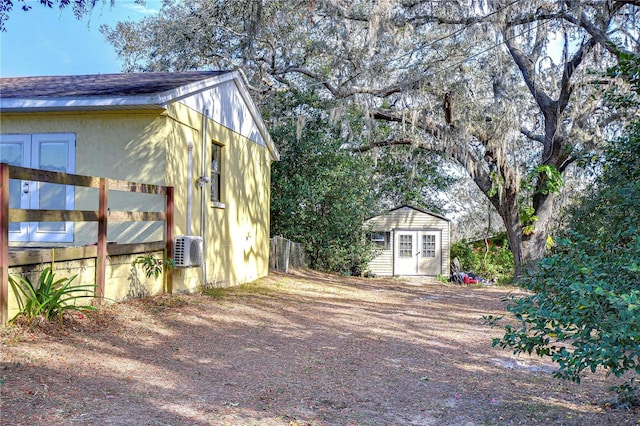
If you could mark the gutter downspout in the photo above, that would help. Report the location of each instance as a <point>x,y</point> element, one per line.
<point>203,182</point>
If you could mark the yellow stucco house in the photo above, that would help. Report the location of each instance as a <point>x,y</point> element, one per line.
<point>199,132</point>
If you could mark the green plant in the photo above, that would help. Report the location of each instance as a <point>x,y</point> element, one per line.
<point>627,395</point>
<point>442,278</point>
<point>528,219</point>
<point>153,266</point>
<point>583,306</point>
<point>490,259</point>
<point>550,179</point>
<point>50,298</point>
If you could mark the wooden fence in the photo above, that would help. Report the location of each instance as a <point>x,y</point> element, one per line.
<point>103,215</point>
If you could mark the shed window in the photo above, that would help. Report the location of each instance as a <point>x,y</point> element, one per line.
<point>405,248</point>
<point>216,173</point>
<point>381,239</point>
<point>428,246</point>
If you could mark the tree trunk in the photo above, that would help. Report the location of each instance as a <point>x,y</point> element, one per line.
<point>534,245</point>
<point>511,218</point>
<point>526,249</point>
<point>508,209</point>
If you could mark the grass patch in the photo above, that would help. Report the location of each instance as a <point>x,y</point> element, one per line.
<point>255,288</point>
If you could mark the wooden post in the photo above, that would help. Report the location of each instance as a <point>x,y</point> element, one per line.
<point>101,259</point>
<point>4,242</point>
<point>169,236</point>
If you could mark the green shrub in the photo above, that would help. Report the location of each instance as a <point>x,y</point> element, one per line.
<point>584,310</point>
<point>444,279</point>
<point>494,263</point>
<point>50,298</point>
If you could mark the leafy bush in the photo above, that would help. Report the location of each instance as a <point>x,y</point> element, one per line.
<point>320,193</point>
<point>50,297</point>
<point>494,262</point>
<point>153,266</point>
<point>585,310</point>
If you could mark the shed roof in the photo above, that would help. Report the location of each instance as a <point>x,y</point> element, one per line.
<point>420,210</point>
<point>413,208</point>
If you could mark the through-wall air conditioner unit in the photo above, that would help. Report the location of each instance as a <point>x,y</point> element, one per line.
<point>188,251</point>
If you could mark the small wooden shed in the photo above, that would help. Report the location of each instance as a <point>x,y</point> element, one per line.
<point>412,241</point>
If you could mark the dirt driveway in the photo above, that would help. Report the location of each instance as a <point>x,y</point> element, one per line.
<point>302,349</point>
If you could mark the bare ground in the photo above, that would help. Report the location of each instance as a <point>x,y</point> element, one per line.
<point>301,349</point>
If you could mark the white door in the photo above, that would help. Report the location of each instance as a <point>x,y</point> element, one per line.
<point>15,150</point>
<point>405,253</point>
<point>45,151</point>
<point>417,253</point>
<point>429,259</point>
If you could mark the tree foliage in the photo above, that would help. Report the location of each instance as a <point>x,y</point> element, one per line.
<point>584,312</point>
<point>408,175</point>
<point>321,194</point>
<point>79,8</point>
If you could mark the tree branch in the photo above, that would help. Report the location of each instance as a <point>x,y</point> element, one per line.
<point>338,93</point>
<point>437,131</point>
<point>569,68</point>
<point>526,68</point>
<point>596,33</point>
<point>533,136</point>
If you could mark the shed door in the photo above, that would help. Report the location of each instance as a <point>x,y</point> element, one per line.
<point>417,253</point>
<point>429,259</point>
<point>45,151</point>
<point>405,253</point>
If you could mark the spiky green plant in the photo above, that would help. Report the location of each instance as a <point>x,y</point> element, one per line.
<point>50,297</point>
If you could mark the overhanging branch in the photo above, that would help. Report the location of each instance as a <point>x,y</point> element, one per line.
<point>533,136</point>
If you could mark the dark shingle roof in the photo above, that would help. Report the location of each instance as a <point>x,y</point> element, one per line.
<point>109,85</point>
<point>402,206</point>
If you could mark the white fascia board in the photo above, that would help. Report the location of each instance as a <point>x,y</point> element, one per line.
<point>67,103</point>
<point>187,90</point>
<point>257,117</point>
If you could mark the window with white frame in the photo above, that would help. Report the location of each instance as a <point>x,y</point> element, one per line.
<point>216,173</point>
<point>381,239</point>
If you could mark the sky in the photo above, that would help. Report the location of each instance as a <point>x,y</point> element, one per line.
<point>47,41</point>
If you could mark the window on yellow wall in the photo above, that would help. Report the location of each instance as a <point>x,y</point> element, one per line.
<point>216,173</point>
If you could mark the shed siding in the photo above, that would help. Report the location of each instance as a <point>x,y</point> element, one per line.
<point>382,265</point>
<point>446,254</point>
